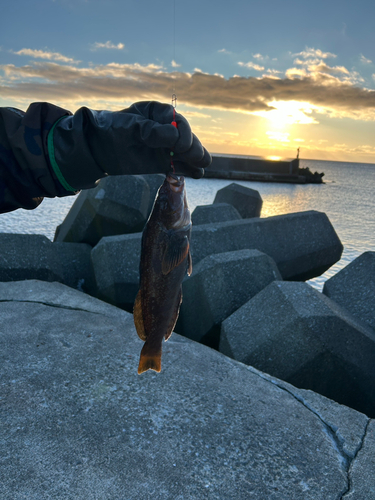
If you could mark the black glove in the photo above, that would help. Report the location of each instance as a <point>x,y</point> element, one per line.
<point>137,140</point>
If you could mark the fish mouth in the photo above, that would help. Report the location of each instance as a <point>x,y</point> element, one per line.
<point>176,183</point>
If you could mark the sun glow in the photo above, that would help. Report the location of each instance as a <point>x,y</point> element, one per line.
<point>273,158</point>
<point>278,136</point>
<point>289,113</point>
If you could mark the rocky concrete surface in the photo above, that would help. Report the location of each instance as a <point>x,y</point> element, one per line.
<point>33,256</point>
<point>246,201</point>
<point>303,244</point>
<point>219,285</point>
<point>117,205</point>
<point>354,288</point>
<point>363,468</point>
<point>79,423</point>
<point>115,260</point>
<point>217,212</point>
<point>296,333</point>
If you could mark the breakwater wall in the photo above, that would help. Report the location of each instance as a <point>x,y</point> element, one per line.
<point>254,168</point>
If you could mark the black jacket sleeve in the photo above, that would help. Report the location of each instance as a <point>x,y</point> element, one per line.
<point>26,173</point>
<point>47,151</point>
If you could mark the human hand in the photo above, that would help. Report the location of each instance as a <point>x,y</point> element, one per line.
<point>138,140</point>
<point>156,132</point>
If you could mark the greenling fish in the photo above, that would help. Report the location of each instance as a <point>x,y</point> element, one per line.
<point>165,259</point>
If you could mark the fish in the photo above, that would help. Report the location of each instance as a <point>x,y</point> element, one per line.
<point>165,260</point>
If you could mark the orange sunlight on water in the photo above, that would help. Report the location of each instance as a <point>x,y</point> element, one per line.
<point>276,204</point>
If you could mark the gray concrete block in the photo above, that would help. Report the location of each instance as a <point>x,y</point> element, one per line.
<point>25,256</point>
<point>79,423</point>
<point>219,285</point>
<point>115,261</point>
<point>33,256</point>
<point>363,467</point>
<point>72,262</point>
<point>218,212</point>
<point>248,202</point>
<point>354,288</point>
<point>117,205</point>
<point>295,333</point>
<point>303,245</point>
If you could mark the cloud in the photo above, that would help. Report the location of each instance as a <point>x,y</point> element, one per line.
<point>231,134</point>
<point>107,45</point>
<point>324,68</point>
<point>278,136</point>
<point>313,64</point>
<point>296,72</point>
<point>289,113</point>
<point>364,60</point>
<point>273,72</point>
<point>251,65</point>
<point>258,56</point>
<point>196,114</point>
<point>224,51</point>
<point>310,53</point>
<point>319,69</point>
<point>174,64</point>
<point>114,84</point>
<point>41,54</point>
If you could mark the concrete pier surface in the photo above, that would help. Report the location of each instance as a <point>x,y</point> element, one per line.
<point>78,422</point>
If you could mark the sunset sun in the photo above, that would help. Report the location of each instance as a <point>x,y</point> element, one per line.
<point>286,113</point>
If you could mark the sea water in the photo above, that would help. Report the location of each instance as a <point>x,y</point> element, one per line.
<point>347,197</point>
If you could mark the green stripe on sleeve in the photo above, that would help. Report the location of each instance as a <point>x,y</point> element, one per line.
<point>51,153</point>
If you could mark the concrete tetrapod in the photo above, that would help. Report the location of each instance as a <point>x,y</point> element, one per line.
<point>219,285</point>
<point>117,205</point>
<point>296,333</point>
<point>354,288</point>
<point>115,261</point>
<point>246,201</point>
<point>34,256</point>
<point>79,423</point>
<point>218,212</point>
<point>303,245</point>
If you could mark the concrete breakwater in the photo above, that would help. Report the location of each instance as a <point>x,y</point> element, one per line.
<point>210,425</point>
<point>247,168</point>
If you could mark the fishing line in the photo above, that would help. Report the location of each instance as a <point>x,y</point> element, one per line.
<point>174,96</point>
<point>174,32</point>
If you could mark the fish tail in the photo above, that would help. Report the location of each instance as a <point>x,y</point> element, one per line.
<point>150,359</point>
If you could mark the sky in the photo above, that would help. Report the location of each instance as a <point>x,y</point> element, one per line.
<point>253,78</point>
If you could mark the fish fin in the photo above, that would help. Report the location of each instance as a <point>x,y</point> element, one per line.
<point>174,316</point>
<point>138,317</point>
<point>149,360</point>
<point>190,264</point>
<point>175,252</point>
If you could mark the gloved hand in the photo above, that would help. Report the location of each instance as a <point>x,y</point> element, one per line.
<point>156,133</point>
<point>137,140</point>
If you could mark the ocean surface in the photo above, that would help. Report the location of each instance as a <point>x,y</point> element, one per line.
<point>347,197</point>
